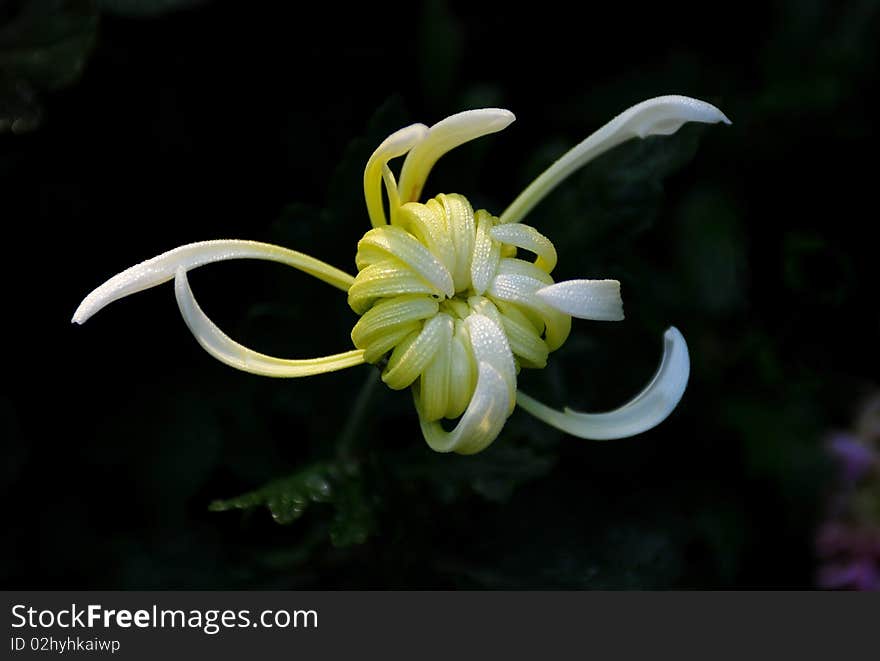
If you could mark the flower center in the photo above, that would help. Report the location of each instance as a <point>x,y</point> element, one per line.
<point>421,278</point>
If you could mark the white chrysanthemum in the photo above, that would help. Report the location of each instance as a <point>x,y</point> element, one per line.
<point>446,305</point>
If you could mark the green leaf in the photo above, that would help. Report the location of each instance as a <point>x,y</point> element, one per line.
<point>335,483</point>
<point>48,42</point>
<point>43,48</point>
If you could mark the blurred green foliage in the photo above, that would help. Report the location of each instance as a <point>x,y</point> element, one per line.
<point>44,46</point>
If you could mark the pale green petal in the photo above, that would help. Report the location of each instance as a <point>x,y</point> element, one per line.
<point>435,385</point>
<point>390,339</point>
<point>442,137</point>
<point>521,289</point>
<point>525,340</point>
<point>460,223</point>
<point>493,397</point>
<point>516,266</point>
<point>585,299</point>
<point>397,144</point>
<point>648,409</point>
<point>389,315</point>
<point>489,342</point>
<point>463,372</point>
<point>528,238</point>
<point>383,243</point>
<point>487,253</point>
<point>384,279</point>
<point>482,421</point>
<point>227,350</point>
<point>663,115</point>
<point>427,222</point>
<point>410,358</point>
<point>161,269</point>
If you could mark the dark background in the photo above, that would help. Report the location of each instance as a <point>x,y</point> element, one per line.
<point>143,125</point>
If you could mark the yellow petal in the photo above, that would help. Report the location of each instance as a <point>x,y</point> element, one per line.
<point>397,144</point>
<point>442,137</point>
<point>228,351</point>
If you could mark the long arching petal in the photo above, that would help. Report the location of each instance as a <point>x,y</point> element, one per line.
<point>396,144</point>
<point>445,135</point>
<point>230,352</point>
<point>663,115</point>
<point>646,410</point>
<point>161,269</point>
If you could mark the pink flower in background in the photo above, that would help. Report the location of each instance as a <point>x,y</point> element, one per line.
<point>855,457</point>
<point>848,543</point>
<point>851,555</point>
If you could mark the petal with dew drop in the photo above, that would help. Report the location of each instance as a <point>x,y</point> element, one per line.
<point>662,115</point>
<point>389,315</point>
<point>434,385</point>
<point>492,400</point>
<point>410,358</point>
<point>445,135</point>
<point>460,225</point>
<point>520,289</point>
<point>462,372</point>
<point>481,422</point>
<point>161,269</point>
<point>384,243</point>
<point>525,341</point>
<point>396,144</point>
<point>646,410</point>
<point>528,238</point>
<point>382,280</point>
<point>228,351</point>
<point>486,255</point>
<point>585,299</point>
<point>489,342</point>
<point>428,224</point>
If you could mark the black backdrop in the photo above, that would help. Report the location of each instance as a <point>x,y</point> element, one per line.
<point>253,120</point>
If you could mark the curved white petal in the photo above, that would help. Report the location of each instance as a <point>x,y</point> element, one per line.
<point>161,269</point>
<point>528,238</point>
<point>489,343</point>
<point>662,115</point>
<point>396,144</point>
<point>646,410</point>
<point>445,135</point>
<point>486,254</point>
<point>482,421</point>
<point>585,299</point>
<point>227,350</point>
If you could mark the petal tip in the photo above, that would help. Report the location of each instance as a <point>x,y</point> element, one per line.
<point>499,117</point>
<point>85,310</point>
<point>505,116</point>
<point>665,115</point>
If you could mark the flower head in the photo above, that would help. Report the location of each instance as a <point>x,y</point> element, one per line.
<point>446,305</point>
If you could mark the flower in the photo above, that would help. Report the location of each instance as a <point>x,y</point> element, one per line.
<point>850,555</point>
<point>848,541</point>
<point>446,307</point>
<point>855,456</point>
